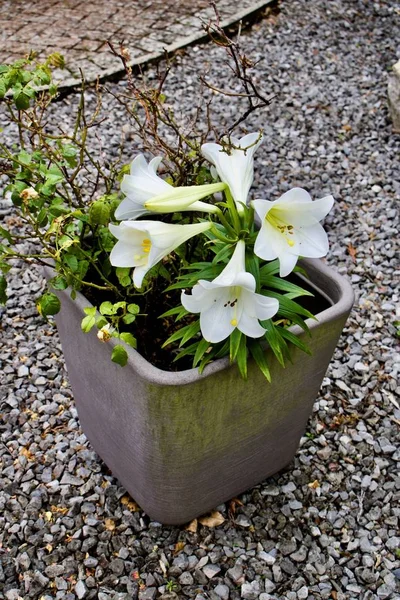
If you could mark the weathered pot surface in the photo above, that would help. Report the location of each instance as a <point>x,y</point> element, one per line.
<point>180,442</point>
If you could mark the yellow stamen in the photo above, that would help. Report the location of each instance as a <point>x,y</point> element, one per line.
<point>234,322</point>
<point>281,226</point>
<point>146,245</point>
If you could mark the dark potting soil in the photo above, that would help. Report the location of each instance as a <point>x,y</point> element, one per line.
<point>151,331</point>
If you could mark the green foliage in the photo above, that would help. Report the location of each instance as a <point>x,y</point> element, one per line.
<point>277,334</point>
<point>119,355</point>
<point>99,213</point>
<point>48,305</point>
<point>90,320</point>
<point>66,199</point>
<point>24,79</point>
<point>3,290</point>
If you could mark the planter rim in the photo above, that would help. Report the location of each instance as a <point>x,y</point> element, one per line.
<point>331,285</point>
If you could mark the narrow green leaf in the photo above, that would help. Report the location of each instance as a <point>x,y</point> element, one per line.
<point>171,312</point>
<point>223,350</point>
<point>179,311</point>
<point>223,255</point>
<point>192,330</point>
<point>293,339</point>
<point>281,284</point>
<point>274,340</point>
<point>253,267</point>
<point>270,268</point>
<point>241,357</point>
<point>181,333</point>
<point>186,351</point>
<point>234,343</point>
<point>201,349</point>
<point>296,319</point>
<point>3,288</point>
<point>260,358</point>
<point>286,303</point>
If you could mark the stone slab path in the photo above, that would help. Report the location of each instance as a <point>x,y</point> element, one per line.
<point>79,30</point>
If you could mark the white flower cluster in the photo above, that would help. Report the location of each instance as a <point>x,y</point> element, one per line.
<point>290,227</point>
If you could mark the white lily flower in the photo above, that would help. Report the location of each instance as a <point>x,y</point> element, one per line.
<point>142,244</point>
<point>142,184</point>
<point>237,168</point>
<point>290,228</point>
<point>147,192</point>
<point>230,301</point>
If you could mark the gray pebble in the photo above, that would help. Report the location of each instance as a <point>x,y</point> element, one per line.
<point>250,591</point>
<point>81,590</point>
<point>222,591</point>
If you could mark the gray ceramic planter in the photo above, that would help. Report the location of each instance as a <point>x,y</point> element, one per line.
<point>182,443</point>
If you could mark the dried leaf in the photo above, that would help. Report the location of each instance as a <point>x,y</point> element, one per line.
<point>192,526</point>
<point>233,504</point>
<point>352,251</point>
<point>346,127</point>
<point>391,398</point>
<point>129,503</point>
<point>59,509</point>
<point>212,520</point>
<point>109,524</point>
<point>135,575</point>
<point>48,515</point>
<point>49,548</point>
<point>25,452</point>
<point>314,484</point>
<point>179,546</point>
<point>163,567</point>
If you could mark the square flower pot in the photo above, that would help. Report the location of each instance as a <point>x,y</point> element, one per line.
<point>180,442</point>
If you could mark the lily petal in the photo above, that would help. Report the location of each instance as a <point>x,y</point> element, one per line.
<point>236,169</point>
<point>142,244</point>
<point>215,323</point>
<point>139,186</point>
<point>290,228</point>
<point>287,263</point>
<point>250,326</point>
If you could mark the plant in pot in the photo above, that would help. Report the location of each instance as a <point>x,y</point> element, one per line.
<point>195,340</point>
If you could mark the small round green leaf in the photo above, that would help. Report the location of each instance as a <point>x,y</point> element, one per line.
<point>99,213</point>
<point>48,304</point>
<point>128,338</point>
<point>119,355</point>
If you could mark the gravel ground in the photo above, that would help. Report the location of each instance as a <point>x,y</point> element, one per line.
<point>327,526</point>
